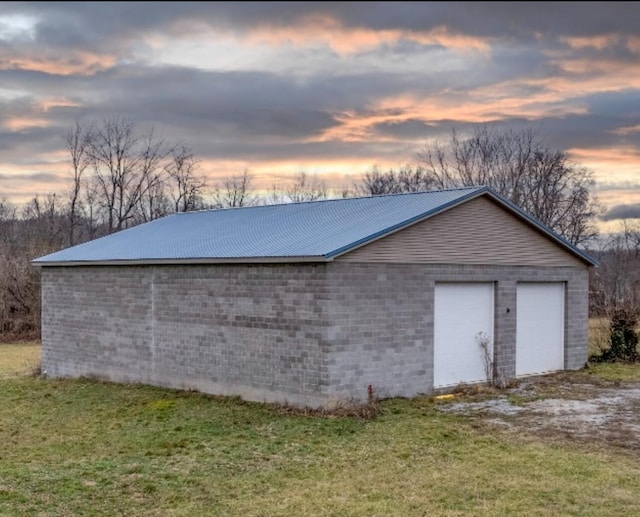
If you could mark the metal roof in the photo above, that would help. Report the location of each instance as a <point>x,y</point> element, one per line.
<point>311,231</point>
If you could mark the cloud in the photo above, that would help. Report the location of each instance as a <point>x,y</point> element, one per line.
<point>123,30</point>
<point>627,130</point>
<point>96,20</point>
<point>348,40</point>
<point>404,129</point>
<point>622,212</point>
<point>40,177</point>
<point>272,85</point>
<point>624,185</point>
<point>23,185</point>
<point>76,63</point>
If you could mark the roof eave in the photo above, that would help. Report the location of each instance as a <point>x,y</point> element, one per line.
<point>191,261</point>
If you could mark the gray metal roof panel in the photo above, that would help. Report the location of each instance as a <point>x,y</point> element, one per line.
<point>313,229</point>
<point>308,231</point>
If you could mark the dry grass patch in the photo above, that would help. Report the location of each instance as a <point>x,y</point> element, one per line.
<point>17,359</point>
<point>599,336</point>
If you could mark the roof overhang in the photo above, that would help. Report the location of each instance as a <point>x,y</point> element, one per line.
<point>190,261</point>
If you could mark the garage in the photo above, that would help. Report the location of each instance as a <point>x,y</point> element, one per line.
<point>539,328</point>
<point>312,304</point>
<point>463,314</point>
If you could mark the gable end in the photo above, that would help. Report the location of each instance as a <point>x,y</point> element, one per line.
<point>479,231</point>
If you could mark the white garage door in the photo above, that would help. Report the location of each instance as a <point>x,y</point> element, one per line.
<point>463,312</point>
<point>540,328</point>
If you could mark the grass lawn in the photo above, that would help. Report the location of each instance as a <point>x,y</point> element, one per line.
<point>19,359</point>
<point>73,448</point>
<point>615,371</point>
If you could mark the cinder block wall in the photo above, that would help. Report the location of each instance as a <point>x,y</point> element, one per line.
<point>253,331</point>
<point>301,334</point>
<point>381,319</point>
<point>382,322</point>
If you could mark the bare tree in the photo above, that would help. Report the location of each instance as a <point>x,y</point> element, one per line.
<point>7,213</point>
<point>46,222</point>
<point>111,154</point>
<point>235,191</point>
<point>38,229</point>
<point>305,187</point>
<point>127,169</point>
<point>153,200</point>
<point>121,176</point>
<point>346,191</point>
<point>185,186</point>
<point>615,284</point>
<point>631,235</point>
<point>91,210</point>
<point>517,164</point>
<point>393,181</point>
<point>76,142</point>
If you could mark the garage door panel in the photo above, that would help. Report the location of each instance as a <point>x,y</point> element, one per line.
<point>462,312</point>
<point>539,328</point>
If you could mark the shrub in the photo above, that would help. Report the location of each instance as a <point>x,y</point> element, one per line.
<point>623,337</point>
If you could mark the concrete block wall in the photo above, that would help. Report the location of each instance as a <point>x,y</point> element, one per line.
<point>382,322</point>
<point>300,334</point>
<point>381,316</point>
<point>95,322</point>
<point>253,331</point>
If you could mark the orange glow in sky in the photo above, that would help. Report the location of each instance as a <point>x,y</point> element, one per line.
<point>329,88</point>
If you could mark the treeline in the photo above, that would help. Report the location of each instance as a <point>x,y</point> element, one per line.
<point>614,294</point>
<point>121,175</point>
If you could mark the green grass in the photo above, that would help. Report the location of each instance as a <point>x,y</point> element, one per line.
<point>74,448</point>
<point>615,371</point>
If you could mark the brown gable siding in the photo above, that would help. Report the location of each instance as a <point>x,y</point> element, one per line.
<point>476,232</point>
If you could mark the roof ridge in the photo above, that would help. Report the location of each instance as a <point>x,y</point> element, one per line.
<point>335,199</point>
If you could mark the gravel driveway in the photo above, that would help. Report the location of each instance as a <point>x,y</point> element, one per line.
<point>562,406</point>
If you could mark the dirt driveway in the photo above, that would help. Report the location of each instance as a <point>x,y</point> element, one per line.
<point>565,406</point>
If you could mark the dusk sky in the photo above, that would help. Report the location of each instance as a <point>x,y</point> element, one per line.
<point>331,88</point>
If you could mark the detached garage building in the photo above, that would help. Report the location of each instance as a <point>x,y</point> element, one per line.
<point>311,303</point>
